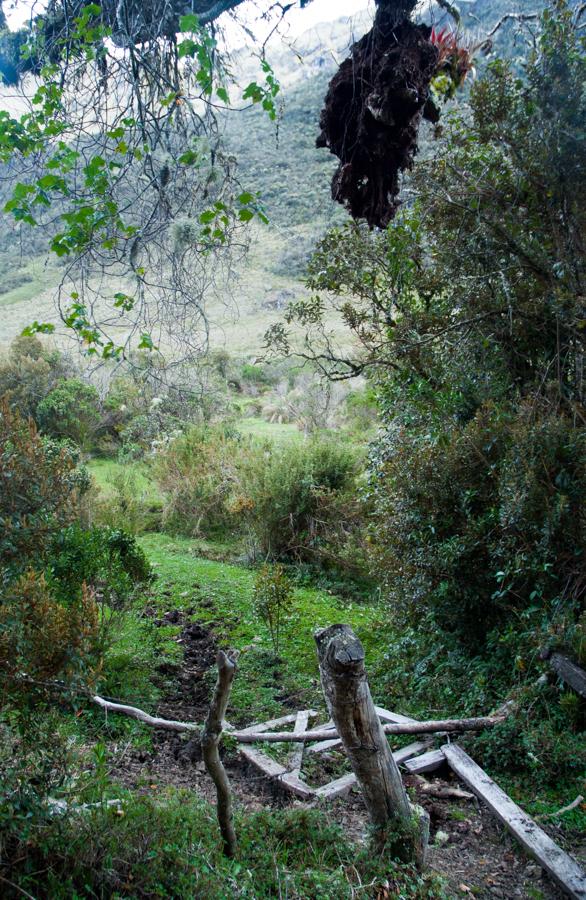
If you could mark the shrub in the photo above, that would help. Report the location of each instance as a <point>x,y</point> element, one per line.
<point>39,492</point>
<point>107,559</point>
<point>198,474</point>
<point>71,410</point>
<point>29,374</point>
<point>34,763</point>
<point>481,521</point>
<point>296,496</point>
<point>273,600</point>
<point>127,505</point>
<point>172,849</point>
<point>42,639</point>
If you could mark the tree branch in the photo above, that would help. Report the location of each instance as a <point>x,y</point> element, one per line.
<point>212,732</point>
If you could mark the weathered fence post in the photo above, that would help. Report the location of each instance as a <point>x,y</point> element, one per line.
<point>345,686</point>
<point>210,738</point>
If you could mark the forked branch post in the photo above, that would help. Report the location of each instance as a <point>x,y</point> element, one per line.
<point>210,739</point>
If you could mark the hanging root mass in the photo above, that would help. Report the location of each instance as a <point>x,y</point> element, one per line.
<point>373,109</point>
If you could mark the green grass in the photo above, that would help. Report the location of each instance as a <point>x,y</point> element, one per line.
<point>277,432</point>
<point>221,597</point>
<point>169,846</point>
<point>43,277</point>
<point>106,471</point>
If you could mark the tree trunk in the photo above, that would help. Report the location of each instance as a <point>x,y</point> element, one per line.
<point>345,686</point>
<point>210,739</point>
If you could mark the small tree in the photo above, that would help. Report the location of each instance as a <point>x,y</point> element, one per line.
<point>39,491</point>
<point>71,410</point>
<point>273,600</point>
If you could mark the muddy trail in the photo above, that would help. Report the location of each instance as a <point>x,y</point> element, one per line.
<point>467,845</point>
<point>175,759</point>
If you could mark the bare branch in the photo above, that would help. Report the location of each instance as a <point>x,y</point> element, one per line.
<point>141,716</point>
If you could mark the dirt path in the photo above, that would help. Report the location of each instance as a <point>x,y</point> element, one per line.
<point>468,846</point>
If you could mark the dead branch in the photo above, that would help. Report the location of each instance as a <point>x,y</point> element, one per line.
<point>434,725</point>
<point>443,791</point>
<point>212,732</point>
<point>559,812</point>
<point>141,716</point>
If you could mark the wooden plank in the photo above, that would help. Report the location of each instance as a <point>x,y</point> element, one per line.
<point>562,868</point>
<point>335,788</point>
<point>569,672</point>
<point>296,757</point>
<point>272,769</point>
<point>273,723</point>
<point>342,785</point>
<point>386,716</point>
<point>405,753</point>
<point>427,762</point>
<point>269,767</point>
<point>294,783</point>
<point>324,745</point>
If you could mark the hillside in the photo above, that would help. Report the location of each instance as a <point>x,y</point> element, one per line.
<point>279,160</point>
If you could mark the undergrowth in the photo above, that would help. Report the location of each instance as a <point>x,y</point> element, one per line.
<point>169,847</point>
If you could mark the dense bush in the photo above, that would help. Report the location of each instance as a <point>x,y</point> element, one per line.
<point>107,559</point>
<point>171,849</point>
<point>43,639</point>
<point>29,373</point>
<point>468,315</point>
<point>480,522</point>
<point>296,498</point>
<point>34,763</point>
<point>127,504</point>
<point>292,502</point>
<point>40,486</point>
<point>71,410</point>
<point>198,475</point>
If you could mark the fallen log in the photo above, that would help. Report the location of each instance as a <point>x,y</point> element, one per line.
<point>141,716</point>
<point>569,672</point>
<point>433,726</point>
<point>564,870</point>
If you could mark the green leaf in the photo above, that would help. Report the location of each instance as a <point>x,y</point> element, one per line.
<point>188,47</point>
<point>189,22</point>
<point>146,342</point>
<point>189,158</point>
<point>38,328</point>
